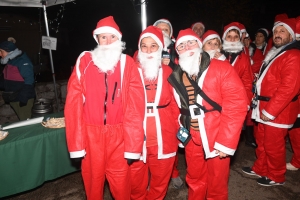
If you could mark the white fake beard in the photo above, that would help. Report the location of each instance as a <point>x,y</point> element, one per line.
<point>190,64</point>
<point>232,47</point>
<point>106,57</point>
<point>150,64</point>
<point>167,40</point>
<point>212,52</point>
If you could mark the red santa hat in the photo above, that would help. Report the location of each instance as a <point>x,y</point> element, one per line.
<point>165,21</point>
<point>210,34</point>
<point>289,24</point>
<point>107,25</point>
<point>187,34</point>
<point>280,17</point>
<point>155,33</point>
<point>232,25</point>
<point>242,27</point>
<point>298,26</point>
<point>196,23</point>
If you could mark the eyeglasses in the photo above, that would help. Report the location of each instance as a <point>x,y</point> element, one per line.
<point>189,43</point>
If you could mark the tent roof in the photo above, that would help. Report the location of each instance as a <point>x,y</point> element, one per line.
<point>31,3</point>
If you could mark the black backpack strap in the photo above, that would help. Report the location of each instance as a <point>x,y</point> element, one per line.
<point>199,91</point>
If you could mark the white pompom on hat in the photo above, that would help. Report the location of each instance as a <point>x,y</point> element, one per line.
<point>289,24</point>
<point>155,33</point>
<point>107,25</point>
<point>210,34</point>
<point>232,25</point>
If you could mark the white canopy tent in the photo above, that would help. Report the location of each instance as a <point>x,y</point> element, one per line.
<point>43,4</point>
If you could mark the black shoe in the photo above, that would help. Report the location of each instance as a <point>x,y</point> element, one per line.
<point>265,181</point>
<point>248,170</point>
<point>251,144</point>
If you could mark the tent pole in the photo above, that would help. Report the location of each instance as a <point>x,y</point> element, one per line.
<point>50,53</point>
<point>143,14</point>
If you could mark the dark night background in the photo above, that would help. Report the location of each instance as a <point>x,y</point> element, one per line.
<point>74,31</point>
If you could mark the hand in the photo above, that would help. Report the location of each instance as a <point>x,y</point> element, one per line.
<point>165,61</point>
<point>217,55</point>
<point>264,118</point>
<point>130,161</point>
<point>22,104</point>
<point>221,154</point>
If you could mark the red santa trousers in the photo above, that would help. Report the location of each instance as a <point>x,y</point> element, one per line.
<point>160,174</point>
<point>295,141</point>
<point>105,159</point>
<point>270,152</point>
<point>175,172</point>
<point>206,178</point>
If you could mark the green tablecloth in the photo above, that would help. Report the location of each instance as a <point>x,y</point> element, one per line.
<point>31,155</point>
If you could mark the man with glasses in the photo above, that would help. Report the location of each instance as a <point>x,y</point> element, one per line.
<point>213,104</point>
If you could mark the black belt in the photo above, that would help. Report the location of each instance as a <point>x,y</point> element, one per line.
<point>158,107</point>
<point>262,98</point>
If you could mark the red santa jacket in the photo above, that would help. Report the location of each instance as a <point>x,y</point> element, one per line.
<point>280,81</point>
<point>218,130</point>
<point>133,107</point>
<point>242,66</point>
<point>166,112</point>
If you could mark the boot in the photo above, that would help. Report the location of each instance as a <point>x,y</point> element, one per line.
<point>249,137</point>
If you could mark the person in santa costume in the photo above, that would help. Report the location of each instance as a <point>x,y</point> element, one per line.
<point>276,100</point>
<point>104,113</point>
<point>212,45</point>
<point>198,28</point>
<point>294,132</point>
<point>160,124</point>
<point>213,104</point>
<point>261,38</point>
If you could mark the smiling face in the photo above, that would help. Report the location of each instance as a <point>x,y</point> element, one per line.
<point>149,45</point>
<point>212,44</point>
<point>199,29</point>
<point>281,36</point>
<point>106,38</point>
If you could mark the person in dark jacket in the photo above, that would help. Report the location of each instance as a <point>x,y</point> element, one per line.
<point>18,80</point>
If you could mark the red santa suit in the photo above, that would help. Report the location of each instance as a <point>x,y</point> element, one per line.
<point>276,89</point>
<point>104,119</point>
<point>160,125</point>
<point>207,174</point>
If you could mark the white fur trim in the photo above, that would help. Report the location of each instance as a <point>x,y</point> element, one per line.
<point>77,154</point>
<point>164,21</point>
<point>188,37</point>
<point>290,30</point>
<point>268,115</point>
<point>122,66</point>
<point>135,156</point>
<point>154,37</point>
<point>297,34</point>
<point>224,149</point>
<point>222,57</point>
<point>106,29</point>
<point>212,36</point>
<point>230,28</point>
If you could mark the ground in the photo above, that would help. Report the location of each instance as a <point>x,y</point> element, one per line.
<point>241,186</point>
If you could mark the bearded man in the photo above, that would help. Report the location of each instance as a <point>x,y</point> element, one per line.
<point>213,105</point>
<point>104,113</point>
<point>276,100</point>
<point>160,124</point>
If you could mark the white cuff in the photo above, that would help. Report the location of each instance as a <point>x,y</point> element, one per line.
<point>135,156</point>
<point>267,114</point>
<point>77,154</point>
<point>224,149</point>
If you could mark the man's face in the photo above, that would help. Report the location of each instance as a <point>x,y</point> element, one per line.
<point>187,45</point>
<point>243,36</point>
<point>164,27</point>
<point>281,36</point>
<point>246,42</point>
<point>148,45</point>
<point>259,39</point>
<point>212,44</point>
<point>199,29</point>
<point>232,36</point>
<point>3,53</point>
<point>106,38</point>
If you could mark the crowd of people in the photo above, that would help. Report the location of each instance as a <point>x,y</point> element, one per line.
<point>126,117</point>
